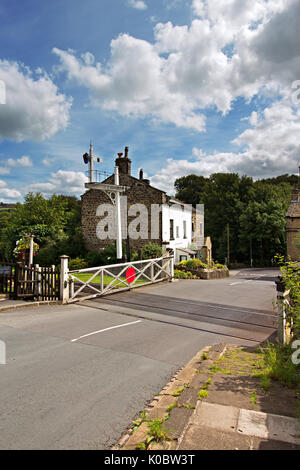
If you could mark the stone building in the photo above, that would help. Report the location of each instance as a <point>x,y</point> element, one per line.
<point>171,226</point>
<point>293,225</point>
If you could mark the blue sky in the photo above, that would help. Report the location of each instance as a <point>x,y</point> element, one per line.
<point>191,86</point>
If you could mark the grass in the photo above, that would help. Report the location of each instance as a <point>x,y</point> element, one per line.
<point>85,277</point>
<point>253,398</point>
<point>179,391</point>
<point>157,431</point>
<point>203,394</point>
<point>277,365</point>
<point>173,405</point>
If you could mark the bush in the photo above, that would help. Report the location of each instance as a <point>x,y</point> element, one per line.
<point>220,266</point>
<point>94,258</point>
<point>151,251</point>
<point>77,263</point>
<point>134,256</point>
<point>193,264</point>
<point>100,258</point>
<point>183,274</point>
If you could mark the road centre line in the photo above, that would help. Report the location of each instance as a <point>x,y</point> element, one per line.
<point>105,329</point>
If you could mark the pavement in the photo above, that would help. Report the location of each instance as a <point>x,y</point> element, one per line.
<point>77,375</point>
<point>215,403</point>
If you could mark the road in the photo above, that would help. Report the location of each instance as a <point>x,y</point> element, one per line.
<point>77,375</point>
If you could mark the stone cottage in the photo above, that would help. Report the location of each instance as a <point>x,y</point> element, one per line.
<point>176,225</point>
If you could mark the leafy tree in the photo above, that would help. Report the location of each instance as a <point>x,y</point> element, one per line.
<point>254,210</point>
<point>190,189</point>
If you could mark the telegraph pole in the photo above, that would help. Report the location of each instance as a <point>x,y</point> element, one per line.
<point>228,244</point>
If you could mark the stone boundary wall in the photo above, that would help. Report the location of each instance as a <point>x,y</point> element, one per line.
<point>207,274</point>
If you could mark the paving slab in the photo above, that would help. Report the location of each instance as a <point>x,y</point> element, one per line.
<point>179,419</point>
<point>206,438</point>
<point>189,397</point>
<point>216,416</point>
<point>269,426</point>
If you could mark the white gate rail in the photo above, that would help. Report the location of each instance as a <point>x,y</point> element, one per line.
<point>83,284</point>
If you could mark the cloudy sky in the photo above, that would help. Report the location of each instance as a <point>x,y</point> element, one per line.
<point>191,86</point>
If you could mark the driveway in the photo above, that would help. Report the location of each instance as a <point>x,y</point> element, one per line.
<point>77,375</point>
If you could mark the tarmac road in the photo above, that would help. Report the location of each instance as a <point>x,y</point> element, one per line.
<point>77,375</point>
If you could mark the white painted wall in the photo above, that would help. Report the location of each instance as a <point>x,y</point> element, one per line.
<point>179,214</point>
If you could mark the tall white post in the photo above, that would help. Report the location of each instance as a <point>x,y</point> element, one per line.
<point>31,251</point>
<point>118,216</point>
<point>91,163</point>
<point>64,279</point>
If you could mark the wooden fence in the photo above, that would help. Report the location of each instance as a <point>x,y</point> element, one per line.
<point>34,282</point>
<point>7,278</point>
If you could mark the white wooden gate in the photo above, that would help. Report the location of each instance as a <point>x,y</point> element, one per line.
<point>83,284</point>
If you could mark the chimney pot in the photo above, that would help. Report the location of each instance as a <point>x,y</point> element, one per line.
<point>124,164</point>
<point>141,174</point>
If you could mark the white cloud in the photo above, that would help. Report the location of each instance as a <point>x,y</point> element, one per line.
<point>271,146</point>
<point>24,161</point>
<point>48,161</point>
<point>34,108</point>
<point>231,49</point>
<point>61,182</point>
<point>4,170</point>
<point>137,4</point>
<point>7,193</point>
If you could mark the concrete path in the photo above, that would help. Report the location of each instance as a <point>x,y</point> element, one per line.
<point>216,403</point>
<point>219,427</point>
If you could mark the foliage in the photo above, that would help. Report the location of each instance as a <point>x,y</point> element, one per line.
<point>277,365</point>
<point>157,431</point>
<point>290,273</point>
<point>151,251</point>
<point>134,256</point>
<point>54,222</point>
<point>193,264</point>
<point>23,247</point>
<point>178,274</point>
<point>254,210</point>
<point>77,263</point>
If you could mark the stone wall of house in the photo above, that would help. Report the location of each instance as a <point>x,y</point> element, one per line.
<point>139,191</point>
<point>292,230</point>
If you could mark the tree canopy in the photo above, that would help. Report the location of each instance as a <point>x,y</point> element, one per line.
<point>253,210</point>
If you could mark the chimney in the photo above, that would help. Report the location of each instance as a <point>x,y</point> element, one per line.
<point>141,174</point>
<point>124,163</point>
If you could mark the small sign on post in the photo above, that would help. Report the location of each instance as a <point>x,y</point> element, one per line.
<point>5,270</point>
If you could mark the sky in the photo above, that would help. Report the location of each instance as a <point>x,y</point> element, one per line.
<point>190,86</point>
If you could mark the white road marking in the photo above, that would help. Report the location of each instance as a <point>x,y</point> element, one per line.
<point>106,329</point>
<point>241,282</point>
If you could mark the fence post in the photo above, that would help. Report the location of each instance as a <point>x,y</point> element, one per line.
<point>152,272</point>
<point>16,281</point>
<point>282,300</point>
<point>64,279</point>
<point>172,268</point>
<point>38,272</point>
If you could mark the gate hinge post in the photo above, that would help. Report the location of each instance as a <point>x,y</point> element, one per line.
<point>64,279</point>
